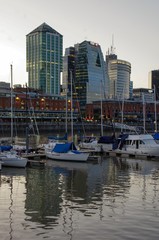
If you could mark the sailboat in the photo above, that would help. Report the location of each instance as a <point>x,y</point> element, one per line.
<point>67,151</point>
<point>135,143</point>
<point>8,157</point>
<point>31,140</point>
<point>11,159</point>
<point>52,141</point>
<point>103,143</point>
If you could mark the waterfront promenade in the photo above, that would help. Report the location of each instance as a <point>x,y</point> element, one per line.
<point>56,128</point>
<point>84,128</point>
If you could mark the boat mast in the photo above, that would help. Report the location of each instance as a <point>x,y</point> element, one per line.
<point>71,108</point>
<point>155,109</point>
<point>27,128</point>
<point>122,110</point>
<point>143,112</point>
<point>101,112</point>
<point>11,103</point>
<point>66,116</point>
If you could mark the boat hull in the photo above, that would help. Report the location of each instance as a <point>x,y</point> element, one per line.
<point>104,144</point>
<point>81,157</point>
<point>13,161</point>
<point>142,144</point>
<point>150,152</point>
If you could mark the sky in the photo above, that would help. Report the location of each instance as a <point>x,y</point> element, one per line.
<point>133,24</point>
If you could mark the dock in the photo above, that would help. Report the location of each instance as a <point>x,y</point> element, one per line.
<point>128,155</point>
<point>35,159</point>
<point>37,163</point>
<point>34,156</point>
<point>39,159</point>
<point>111,153</point>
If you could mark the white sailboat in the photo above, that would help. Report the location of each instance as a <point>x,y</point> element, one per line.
<point>67,151</point>
<point>102,143</point>
<point>31,140</point>
<point>10,158</point>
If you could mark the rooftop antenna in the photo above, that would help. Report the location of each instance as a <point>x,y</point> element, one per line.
<point>112,46</point>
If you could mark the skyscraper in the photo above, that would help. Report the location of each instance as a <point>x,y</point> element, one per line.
<point>119,77</point>
<point>44,49</point>
<point>68,69</point>
<point>90,73</point>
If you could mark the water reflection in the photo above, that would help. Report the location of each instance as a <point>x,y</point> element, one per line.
<point>11,182</point>
<point>81,200</point>
<point>62,187</point>
<point>43,196</point>
<point>145,175</point>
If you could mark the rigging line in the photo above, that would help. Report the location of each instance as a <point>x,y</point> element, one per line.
<point>15,126</point>
<point>30,111</point>
<point>74,85</point>
<point>37,129</point>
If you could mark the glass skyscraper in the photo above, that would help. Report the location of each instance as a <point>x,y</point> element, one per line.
<point>44,51</point>
<point>90,73</point>
<point>68,70</point>
<point>119,77</point>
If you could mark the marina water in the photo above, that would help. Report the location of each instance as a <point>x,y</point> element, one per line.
<point>113,198</point>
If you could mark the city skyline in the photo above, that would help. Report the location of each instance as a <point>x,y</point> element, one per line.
<point>133,25</point>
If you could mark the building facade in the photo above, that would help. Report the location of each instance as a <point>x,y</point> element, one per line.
<point>44,51</point>
<point>30,103</point>
<point>4,88</point>
<point>119,77</point>
<point>90,77</point>
<point>68,70</point>
<point>132,112</point>
<point>154,81</point>
<point>143,94</point>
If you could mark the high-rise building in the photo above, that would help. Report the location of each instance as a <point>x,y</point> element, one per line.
<point>90,73</point>
<point>119,77</point>
<point>68,70</point>
<point>154,81</point>
<point>44,48</point>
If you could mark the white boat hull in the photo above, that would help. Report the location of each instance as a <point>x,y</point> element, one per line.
<point>142,144</point>
<point>13,161</point>
<point>98,147</point>
<point>152,151</point>
<point>81,157</point>
<point>103,144</point>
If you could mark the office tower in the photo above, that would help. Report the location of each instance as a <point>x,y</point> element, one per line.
<point>119,76</point>
<point>44,48</point>
<point>90,73</point>
<point>154,81</point>
<point>68,70</point>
